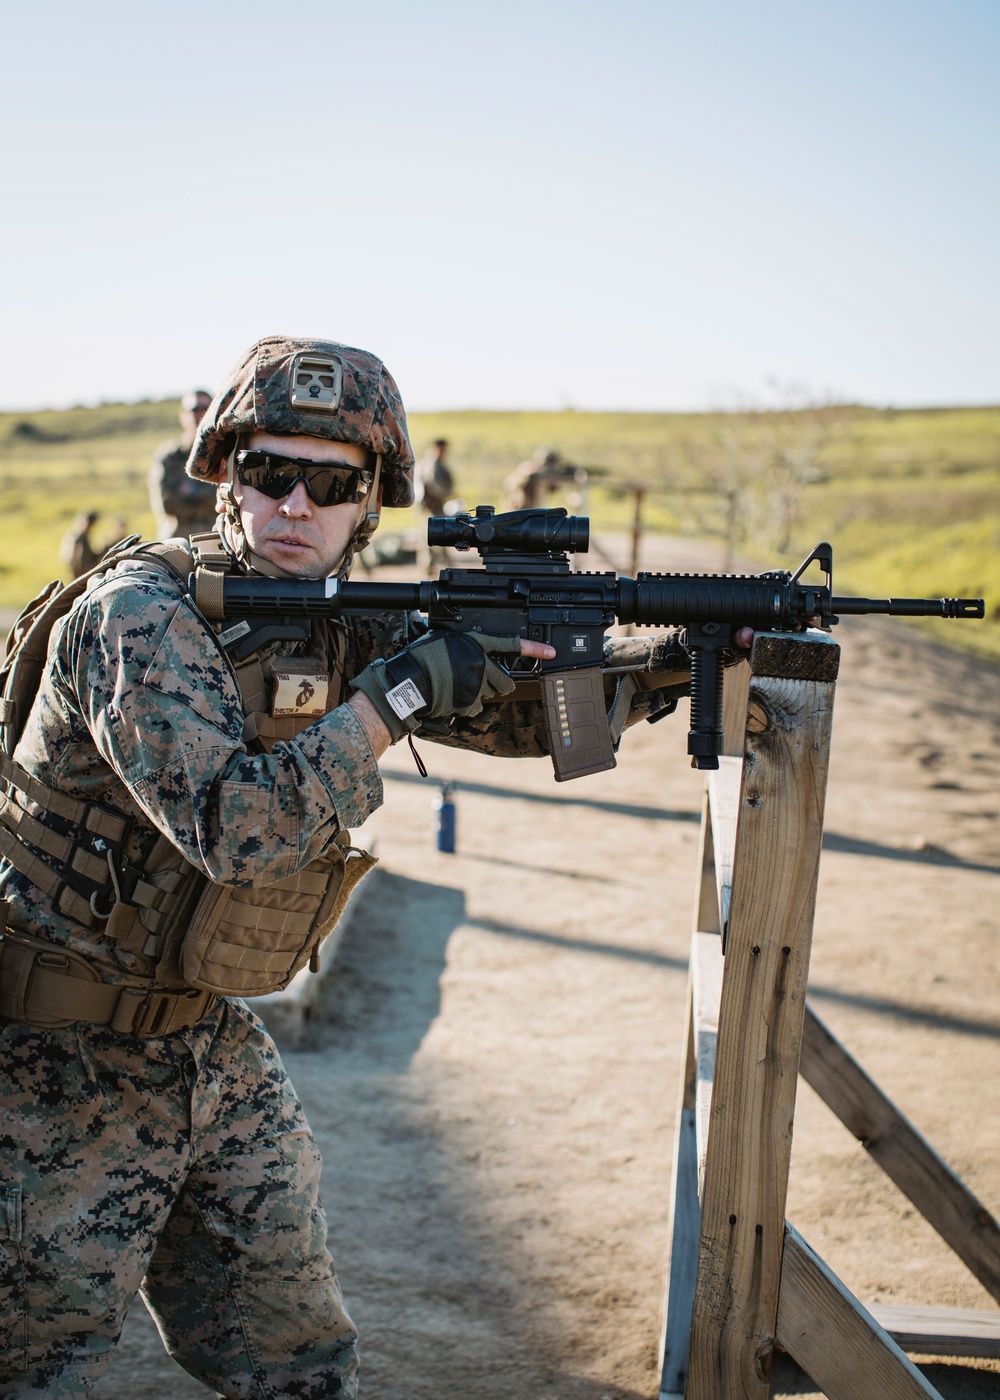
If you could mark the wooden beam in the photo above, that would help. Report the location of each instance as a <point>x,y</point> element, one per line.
<point>685,1225</point>
<point>683,1261</point>
<point>942,1198</point>
<point>706,898</point>
<point>775,867</point>
<point>735,693</point>
<point>724,806</point>
<point>940,1331</point>
<point>707,967</point>
<point>834,1338</point>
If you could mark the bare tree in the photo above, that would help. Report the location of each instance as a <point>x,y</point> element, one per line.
<point>744,476</point>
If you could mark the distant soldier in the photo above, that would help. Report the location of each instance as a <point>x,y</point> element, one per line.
<point>528,486</point>
<point>77,550</point>
<point>181,505</point>
<point>435,487</point>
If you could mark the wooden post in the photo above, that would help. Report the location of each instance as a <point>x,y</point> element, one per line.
<point>751,1282</point>
<point>639,494</point>
<point>768,942</point>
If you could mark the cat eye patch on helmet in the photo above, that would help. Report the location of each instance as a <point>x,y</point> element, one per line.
<point>327,484</point>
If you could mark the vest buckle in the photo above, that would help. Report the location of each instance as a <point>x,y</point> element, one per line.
<point>149,1014</point>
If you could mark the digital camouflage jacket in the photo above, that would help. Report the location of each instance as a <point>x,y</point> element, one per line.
<point>139,710</point>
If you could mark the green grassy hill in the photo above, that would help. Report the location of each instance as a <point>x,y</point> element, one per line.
<point>910,499</point>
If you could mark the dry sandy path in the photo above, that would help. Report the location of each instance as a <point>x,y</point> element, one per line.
<point>493,1070</point>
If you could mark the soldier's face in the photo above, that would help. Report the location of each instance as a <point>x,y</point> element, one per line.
<point>304,539</point>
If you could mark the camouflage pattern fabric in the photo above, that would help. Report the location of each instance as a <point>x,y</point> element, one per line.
<point>98,1160</point>
<point>256,396</point>
<point>138,710</point>
<point>185,1158</point>
<point>181,505</point>
<point>218,1212</point>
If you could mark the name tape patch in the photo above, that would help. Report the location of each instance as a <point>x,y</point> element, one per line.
<point>304,695</point>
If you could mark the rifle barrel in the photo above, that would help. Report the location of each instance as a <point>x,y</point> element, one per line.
<point>911,607</point>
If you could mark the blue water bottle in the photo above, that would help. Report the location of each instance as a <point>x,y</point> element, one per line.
<point>445,808</point>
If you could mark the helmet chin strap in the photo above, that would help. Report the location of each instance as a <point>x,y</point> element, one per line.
<point>231,525</point>
<point>235,536</point>
<point>368,524</point>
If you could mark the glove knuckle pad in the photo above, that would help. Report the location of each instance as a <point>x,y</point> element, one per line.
<point>468,666</point>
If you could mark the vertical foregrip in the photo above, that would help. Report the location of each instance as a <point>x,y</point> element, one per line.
<point>705,736</point>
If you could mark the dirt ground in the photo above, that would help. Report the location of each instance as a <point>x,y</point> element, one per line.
<point>493,1069</point>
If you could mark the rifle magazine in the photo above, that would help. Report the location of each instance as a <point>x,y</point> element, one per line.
<point>576,722</point>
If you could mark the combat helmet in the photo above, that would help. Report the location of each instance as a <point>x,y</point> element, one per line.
<point>316,388</point>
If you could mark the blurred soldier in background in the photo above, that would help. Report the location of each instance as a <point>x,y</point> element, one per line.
<point>435,483</point>
<point>77,550</point>
<point>534,480</point>
<point>435,488</point>
<point>180,505</point>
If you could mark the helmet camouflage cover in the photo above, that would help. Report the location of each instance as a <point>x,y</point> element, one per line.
<point>315,388</point>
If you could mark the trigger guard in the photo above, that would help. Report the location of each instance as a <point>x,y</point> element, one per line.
<point>517,667</point>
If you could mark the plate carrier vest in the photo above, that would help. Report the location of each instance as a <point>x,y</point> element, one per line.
<point>191,939</point>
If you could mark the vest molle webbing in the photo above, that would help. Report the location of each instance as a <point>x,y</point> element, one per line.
<point>179,926</point>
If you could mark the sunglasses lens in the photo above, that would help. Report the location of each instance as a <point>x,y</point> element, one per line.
<point>256,472</point>
<point>276,477</point>
<point>335,486</point>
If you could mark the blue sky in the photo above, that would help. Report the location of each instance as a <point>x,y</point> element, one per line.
<point>630,205</point>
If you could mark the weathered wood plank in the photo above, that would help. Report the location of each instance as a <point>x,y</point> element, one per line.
<point>834,1338</point>
<point>707,966</point>
<point>942,1198</point>
<point>735,694</point>
<point>775,868</point>
<point>724,805</point>
<point>683,1258</point>
<point>706,896</point>
<point>940,1331</point>
<point>685,1223</point>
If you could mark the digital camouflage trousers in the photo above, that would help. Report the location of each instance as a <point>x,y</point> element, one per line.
<point>183,1166</point>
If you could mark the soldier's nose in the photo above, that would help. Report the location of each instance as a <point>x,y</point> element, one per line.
<point>297,502</point>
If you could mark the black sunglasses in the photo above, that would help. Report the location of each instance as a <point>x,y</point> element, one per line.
<point>326,484</point>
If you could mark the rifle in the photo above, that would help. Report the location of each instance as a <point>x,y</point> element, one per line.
<point>526,588</point>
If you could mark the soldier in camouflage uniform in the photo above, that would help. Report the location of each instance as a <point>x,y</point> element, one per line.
<point>175,837</point>
<point>181,504</point>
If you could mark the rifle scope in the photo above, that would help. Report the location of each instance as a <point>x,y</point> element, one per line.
<point>521,531</point>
